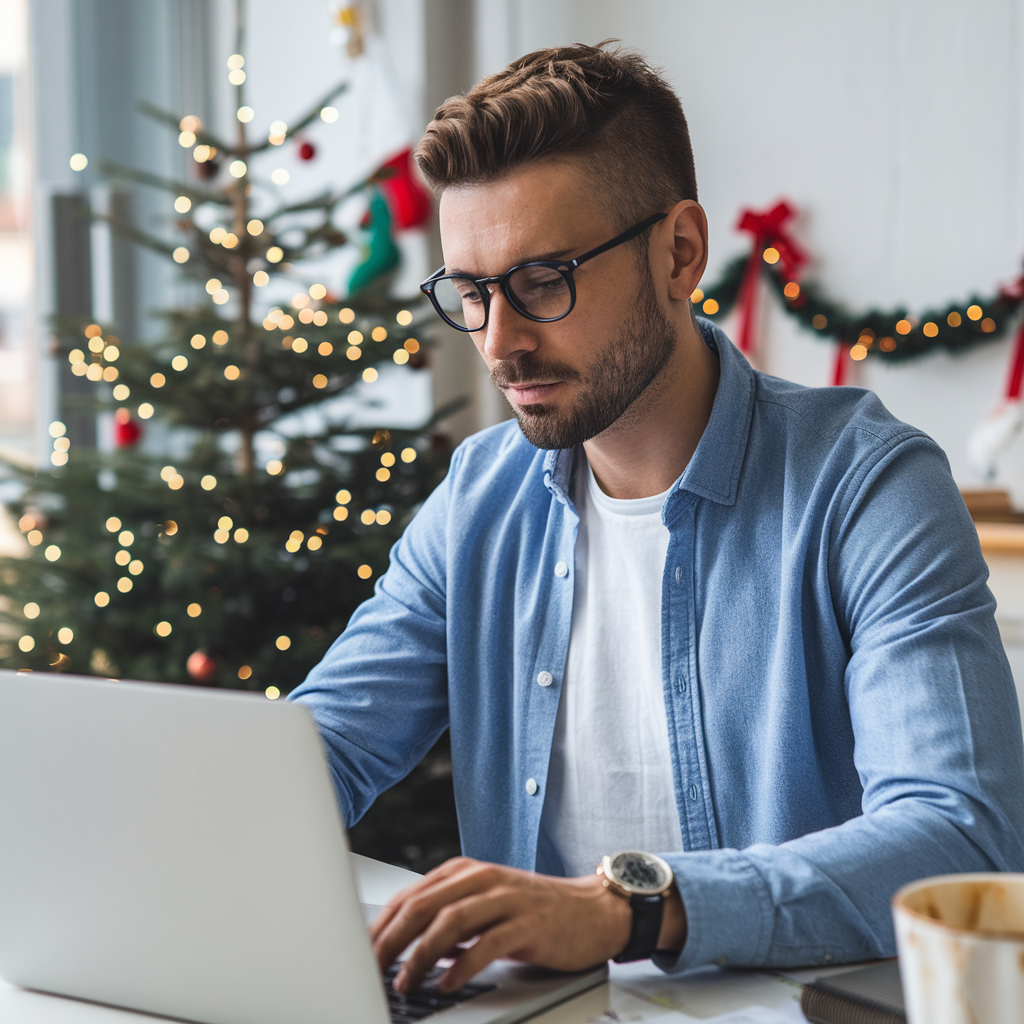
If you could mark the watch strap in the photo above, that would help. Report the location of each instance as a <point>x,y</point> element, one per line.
<point>643,937</point>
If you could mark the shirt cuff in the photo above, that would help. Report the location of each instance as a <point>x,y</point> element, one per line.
<point>729,911</point>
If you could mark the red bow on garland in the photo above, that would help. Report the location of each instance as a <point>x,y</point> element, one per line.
<point>769,231</point>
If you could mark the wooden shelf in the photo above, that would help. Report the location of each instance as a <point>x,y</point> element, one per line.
<point>1001,538</point>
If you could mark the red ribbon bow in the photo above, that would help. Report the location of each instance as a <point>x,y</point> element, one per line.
<point>769,230</point>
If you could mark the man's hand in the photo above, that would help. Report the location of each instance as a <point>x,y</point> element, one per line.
<point>565,923</point>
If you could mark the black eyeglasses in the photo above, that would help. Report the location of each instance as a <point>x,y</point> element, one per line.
<point>542,290</point>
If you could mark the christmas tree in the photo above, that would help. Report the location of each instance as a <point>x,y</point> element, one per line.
<point>232,546</point>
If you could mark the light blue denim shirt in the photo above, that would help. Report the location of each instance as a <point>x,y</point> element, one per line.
<point>842,718</point>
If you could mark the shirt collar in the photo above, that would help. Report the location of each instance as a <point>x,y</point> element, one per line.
<point>714,469</point>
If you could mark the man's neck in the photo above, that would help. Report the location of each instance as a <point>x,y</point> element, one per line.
<point>646,450</point>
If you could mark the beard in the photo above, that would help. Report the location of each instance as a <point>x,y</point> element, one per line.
<point>622,374</point>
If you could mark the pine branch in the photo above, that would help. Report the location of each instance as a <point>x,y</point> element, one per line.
<point>113,169</point>
<point>203,137</point>
<point>307,120</point>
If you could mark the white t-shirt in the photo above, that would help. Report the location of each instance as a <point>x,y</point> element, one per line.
<point>610,781</point>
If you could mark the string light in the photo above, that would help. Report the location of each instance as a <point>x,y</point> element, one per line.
<point>57,429</point>
<point>272,692</point>
<point>771,255</point>
<point>52,553</point>
<point>710,307</point>
<point>368,517</point>
<point>217,236</point>
<point>113,524</point>
<point>314,543</point>
<point>275,254</point>
<point>887,344</point>
<point>208,482</point>
<point>190,123</point>
<point>202,153</point>
<point>283,643</point>
<point>244,672</point>
<point>236,77</point>
<point>78,161</point>
<point>408,455</point>
<point>379,333</point>
<point>163,628</point>
<point>974,312</point>
<point>317,291</point>
<point>31,610</point>
<point>245,114</point>
<point>65,635</point>
<point>236,61</point>
<point>329,114</point>
<point>320,380</point>
<point>383,517</point>
<point>954,319</point>
<point>343,497</point>
<point>403,317</point>
<point>299,345</point>
<point>182,204</point>
<point>167,472</point>
<point>197,341</point>
<point>279,177</point>
<point>401,356</point>
<point>126,538</point>
<point>904,327</point>
<point>176,482</point>
<point>341,513</point>
<point>930,330</point>
<point>122,558</point>
<point>96,344</point>
<point>241,535</point>
<point>364,572</point>
<point>186,140</point>
<point>791,291</point>
<point>411,345</point>
<point>697,296</point>
<point>158,380</point>
<point>26,644</point>
<point>383,475</point>
<point>101,599</point>
<point>858,352</point>
<point>369,375</point>
<point>355,337</point>
<point>275,467</point>
<point>194,610</point>
<point>278,133</point>
<point>325,348</point>
<point>346,315</point>
<point>261,278</point>
<point>254,227</point>
<point>221,536</point>
<point>124,584</point>
<point>353,352</point>
<point>387,459</point>
<point>232,372</point>
<point>220,337</point>
<point>170,528</point>
<point>179,363</point>
<point>34,537</point>
<point>111,353</point>
<point>237,169</point>
<point>300,300</point>
<point>180,255</point>
<point>121,393</point>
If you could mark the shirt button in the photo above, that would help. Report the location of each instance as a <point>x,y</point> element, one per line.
<point>679,574</point>
<point>545,679</point>
<point>693,792</point>
<point>531,786</point>
<point>561,569</point>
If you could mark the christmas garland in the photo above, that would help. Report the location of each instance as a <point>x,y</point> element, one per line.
<point>891,335</point>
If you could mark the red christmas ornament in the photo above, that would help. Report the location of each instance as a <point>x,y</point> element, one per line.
<point>201,667</point>
<point>127,432</point>
<point>307,151</point>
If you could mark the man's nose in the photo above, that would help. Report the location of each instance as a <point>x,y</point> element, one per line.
<point>507,334</point>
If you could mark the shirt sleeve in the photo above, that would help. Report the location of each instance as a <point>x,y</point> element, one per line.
<point>938,744</point>
<point>379,697</point>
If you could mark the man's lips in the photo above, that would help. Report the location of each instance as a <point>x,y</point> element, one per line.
<point>533,392</point>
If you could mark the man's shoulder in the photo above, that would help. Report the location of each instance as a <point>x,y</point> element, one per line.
<point>828,416</point>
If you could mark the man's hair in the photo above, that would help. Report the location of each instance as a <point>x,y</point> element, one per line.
<point>606,106</point>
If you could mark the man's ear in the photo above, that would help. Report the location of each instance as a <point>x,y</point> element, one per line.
<point>686,235</point>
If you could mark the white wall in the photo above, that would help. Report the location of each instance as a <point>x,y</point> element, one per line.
<point>895,126</point>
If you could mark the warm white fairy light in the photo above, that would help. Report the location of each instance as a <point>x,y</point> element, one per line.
<point>245,114</point>
<point>78,161</point>
<point>280,176</point>
<point>182,204</point>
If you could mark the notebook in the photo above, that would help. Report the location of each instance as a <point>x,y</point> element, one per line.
<point>868,995</point>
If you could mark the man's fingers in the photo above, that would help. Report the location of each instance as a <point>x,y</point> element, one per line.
<point>500,941</point>
<point>458,922</point>
<point>430,879</point>
<point>415,914</point>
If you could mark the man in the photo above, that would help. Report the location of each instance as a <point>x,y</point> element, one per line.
<point>680,607</point>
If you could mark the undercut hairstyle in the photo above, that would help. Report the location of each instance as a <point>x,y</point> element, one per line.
<point>607,106</point>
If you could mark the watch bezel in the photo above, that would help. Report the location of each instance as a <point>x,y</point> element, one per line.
<point>628,888</point>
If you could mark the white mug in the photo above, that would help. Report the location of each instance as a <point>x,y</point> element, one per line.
<point>961,947</point>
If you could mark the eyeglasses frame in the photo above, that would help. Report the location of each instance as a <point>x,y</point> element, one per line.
<point>563,267</point>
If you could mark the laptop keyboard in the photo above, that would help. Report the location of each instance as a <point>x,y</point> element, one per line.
<point>426,1000</point>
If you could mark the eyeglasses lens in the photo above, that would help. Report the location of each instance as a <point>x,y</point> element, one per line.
<point>460,298</point>
<point>541,291</point>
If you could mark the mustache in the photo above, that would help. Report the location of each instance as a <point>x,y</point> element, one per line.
<point>528,368</point>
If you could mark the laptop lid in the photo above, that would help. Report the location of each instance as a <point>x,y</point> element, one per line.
<point>176,850</point>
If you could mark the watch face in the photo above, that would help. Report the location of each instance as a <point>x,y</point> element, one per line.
<point>641,872</point>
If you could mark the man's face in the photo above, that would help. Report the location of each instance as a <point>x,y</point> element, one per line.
<point>570,380</point>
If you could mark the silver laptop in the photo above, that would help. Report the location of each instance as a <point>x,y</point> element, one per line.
<point>179,851</point>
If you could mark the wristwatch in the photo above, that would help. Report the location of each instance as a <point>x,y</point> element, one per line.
<point>645,880</point>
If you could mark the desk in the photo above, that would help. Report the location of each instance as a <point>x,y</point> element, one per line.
<point>636,992</point>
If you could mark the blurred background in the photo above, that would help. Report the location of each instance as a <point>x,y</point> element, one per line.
<point>894,129</point>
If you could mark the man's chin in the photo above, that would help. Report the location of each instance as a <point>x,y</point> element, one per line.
<point>544,428</point>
